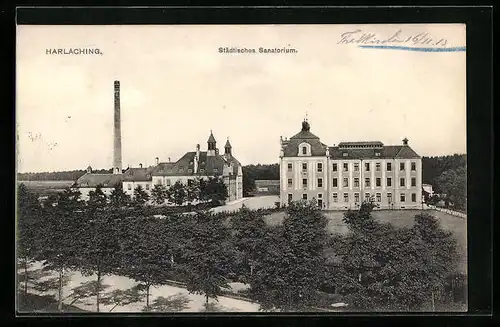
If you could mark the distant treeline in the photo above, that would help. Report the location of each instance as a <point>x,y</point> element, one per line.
<point>71,175</point>
<point>433,167</point>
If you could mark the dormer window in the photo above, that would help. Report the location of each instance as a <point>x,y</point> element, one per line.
<point>190,170</point>
<point>304,149</point>
<point>181,170</point>
<point>202,170</point>
<point>377,154</point>
<point>215,170</point>
<point>345,154</point>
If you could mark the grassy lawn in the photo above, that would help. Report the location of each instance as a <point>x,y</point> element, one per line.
<point>399,218</point>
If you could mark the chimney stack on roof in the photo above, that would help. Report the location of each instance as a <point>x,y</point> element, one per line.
<point>157,160</point>
<point>168,159</point>
<point>405,141</point>
<point>140,165</point>
<point>117,149</point>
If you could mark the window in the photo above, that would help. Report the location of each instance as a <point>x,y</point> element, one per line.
<point>289,198</point>
<point>335,198</point>
<point>334,167</point>
<point>389,166</point>
<point>320,195</point>
<point>182,170</point>
<point>334,184</point>
<point>356,197</point>
<point>304,166</point>
<point>389,181</point>
<point>189,182</point>
<point>401,182</point>
<point>147,186</point>
<point>202,170</point>
<point>345,154</point>
<point>304,196</point>
<point>304,182</point>
<point>320,182</point>
<point>389,197</point>
<point>320,167</point>
<point>367,166</point>
<point>304,150</point>
<point>346,182</point>
<point>290,184</point>
<point>216,170</point>
<point>367,182</point>
<point>129,187</point>
<point>377,166</point>
<point>289,167</point>
<point>377,182</point>
<point>402,166</point>
<point>413,181</point>
<point>168,182</point>
<point>413,197</point>
<point>367,196</point>
<point>346,166</point>
<point>346,197</point>
<point>413,166</point>
<point>377,154</point>
<point>379,197</point>
<point>356,182</point>
<point>403,197</point>
<point>356,166</point>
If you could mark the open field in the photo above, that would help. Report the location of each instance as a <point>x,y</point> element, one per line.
<point>46,187</point>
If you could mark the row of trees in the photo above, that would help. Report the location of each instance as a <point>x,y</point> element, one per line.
<point>212,190</point>
<point>286,266</point>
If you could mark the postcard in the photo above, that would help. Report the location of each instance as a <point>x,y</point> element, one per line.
<point>241,168</point>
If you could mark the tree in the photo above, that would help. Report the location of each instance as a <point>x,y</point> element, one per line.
<point>140,196</point>
<point>60,231</point>
<point>118,197</point>
<point>291,271</point>
<point>97,198</point>
<point>146,254</point>
<point>453,183</point>
<point>159,194</point>
<point>28,227</point>
<point>177,193</point>
<point>249,229</point>
<point>99,245</point>
<point>192,190</point>
<point>214,190</point>
<point>386,268</point>
<point>207,256</point>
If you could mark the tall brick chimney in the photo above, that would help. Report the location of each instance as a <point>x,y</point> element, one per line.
<point>117,148</point>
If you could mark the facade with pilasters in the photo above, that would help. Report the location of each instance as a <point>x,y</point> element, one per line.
<point>341,177</point>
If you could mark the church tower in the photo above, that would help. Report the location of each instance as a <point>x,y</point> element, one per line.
<point>212,145</point>
<point>227,148</point>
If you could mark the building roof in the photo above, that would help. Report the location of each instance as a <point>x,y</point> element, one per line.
<point>291,147</point>
<point>185,165</point>
<point>138,174</point>
<point>228,145</point>
<point>105,180</point>
<point>385,152</point>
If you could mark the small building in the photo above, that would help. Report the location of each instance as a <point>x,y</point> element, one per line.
<point>134,177</point>
<point>267,187</point>
<point>90,181</point>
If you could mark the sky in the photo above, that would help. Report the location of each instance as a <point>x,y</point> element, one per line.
<point>176,86</point>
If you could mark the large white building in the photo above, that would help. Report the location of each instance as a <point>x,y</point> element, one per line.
<point>192,165</point>
<point>341,177</point>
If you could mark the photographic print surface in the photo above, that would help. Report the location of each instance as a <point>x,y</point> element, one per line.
<point>241,168</point>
